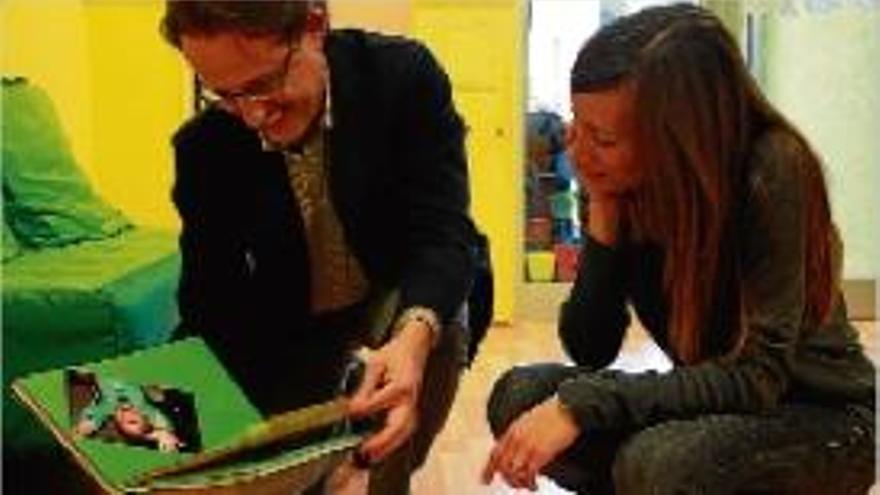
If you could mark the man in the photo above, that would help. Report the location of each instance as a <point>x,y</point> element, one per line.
<point>326,175</point>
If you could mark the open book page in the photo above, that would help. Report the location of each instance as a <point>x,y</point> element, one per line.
<point>183,391</point>
<point>294,470</point>
<point>300,428</point>
<point>149,416</point>
<point>223,412</point>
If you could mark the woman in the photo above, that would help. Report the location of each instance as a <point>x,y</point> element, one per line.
<point>708,213</point>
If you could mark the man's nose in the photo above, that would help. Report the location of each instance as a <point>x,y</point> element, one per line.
<point>252,112</point>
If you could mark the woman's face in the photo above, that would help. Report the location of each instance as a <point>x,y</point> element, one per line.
<point>600,141</point>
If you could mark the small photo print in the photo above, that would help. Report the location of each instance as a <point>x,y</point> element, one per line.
<point>149,416</point>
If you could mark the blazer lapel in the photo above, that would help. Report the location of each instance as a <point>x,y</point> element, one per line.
<point>348,139</point>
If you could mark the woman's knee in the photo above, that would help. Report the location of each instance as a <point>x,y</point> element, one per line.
<point>520,389</point>
<point>710,454</point>
<point>657,461</point>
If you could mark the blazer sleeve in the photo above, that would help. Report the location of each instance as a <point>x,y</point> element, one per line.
<point>438,234</point>
<point>757,377</point>
<point>593,320</point>
<point>213,262</point>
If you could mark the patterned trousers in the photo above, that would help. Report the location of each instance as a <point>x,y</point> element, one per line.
<point>797,449</point>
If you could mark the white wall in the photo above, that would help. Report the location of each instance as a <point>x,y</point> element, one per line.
<point>558,29</point>
<point>820,67</point>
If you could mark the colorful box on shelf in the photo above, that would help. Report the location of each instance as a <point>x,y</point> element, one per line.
<point>563,205</point>
<point>567,256</point>
<point>539,233</point>
<point>540,266</point>
<point>546,185</point>
<point>539,206</point>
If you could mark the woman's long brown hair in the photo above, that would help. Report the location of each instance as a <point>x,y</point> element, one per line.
<point>698,114</point>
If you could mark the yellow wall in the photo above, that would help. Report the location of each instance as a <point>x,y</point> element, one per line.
<point>119,90</point>
<point>46,41</point>
<point>481,45</point>
<point>387,16</point>
<point>139,94</point>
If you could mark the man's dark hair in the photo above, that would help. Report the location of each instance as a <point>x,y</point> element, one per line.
<point>283,18</point>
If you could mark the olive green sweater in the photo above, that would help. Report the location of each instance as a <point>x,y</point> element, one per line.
<point>783,360</point>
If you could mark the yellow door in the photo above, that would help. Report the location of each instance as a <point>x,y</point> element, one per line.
<point>480,43</point>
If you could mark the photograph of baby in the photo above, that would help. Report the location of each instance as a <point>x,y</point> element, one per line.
<point>150,416</point>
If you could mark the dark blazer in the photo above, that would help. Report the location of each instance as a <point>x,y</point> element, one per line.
<point>398,179</point>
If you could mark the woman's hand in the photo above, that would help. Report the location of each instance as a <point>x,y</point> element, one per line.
<point>537,437</point>
<point>604,219</point>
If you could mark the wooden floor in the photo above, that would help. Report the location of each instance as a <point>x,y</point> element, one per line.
<point>459,453</point>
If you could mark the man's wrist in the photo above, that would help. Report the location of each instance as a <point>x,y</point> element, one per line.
<point>422,317</point>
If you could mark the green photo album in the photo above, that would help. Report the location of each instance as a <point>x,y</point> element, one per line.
<point>171,419</point>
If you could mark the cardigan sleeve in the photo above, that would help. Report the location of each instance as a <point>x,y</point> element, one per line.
<point>594,318</point>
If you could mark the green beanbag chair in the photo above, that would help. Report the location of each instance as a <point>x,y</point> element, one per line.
<point>48,200</point>
<point>11,248</point>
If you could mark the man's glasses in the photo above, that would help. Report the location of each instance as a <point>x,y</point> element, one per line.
<point>261,90</point>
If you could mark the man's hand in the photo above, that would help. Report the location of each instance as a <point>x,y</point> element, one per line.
<point>537,437</point>
<point>392,382</point>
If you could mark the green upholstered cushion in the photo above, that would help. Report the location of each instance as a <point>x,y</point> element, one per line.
<point>48,200</point>
<point>11,247</point>
<point>80,303</point>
